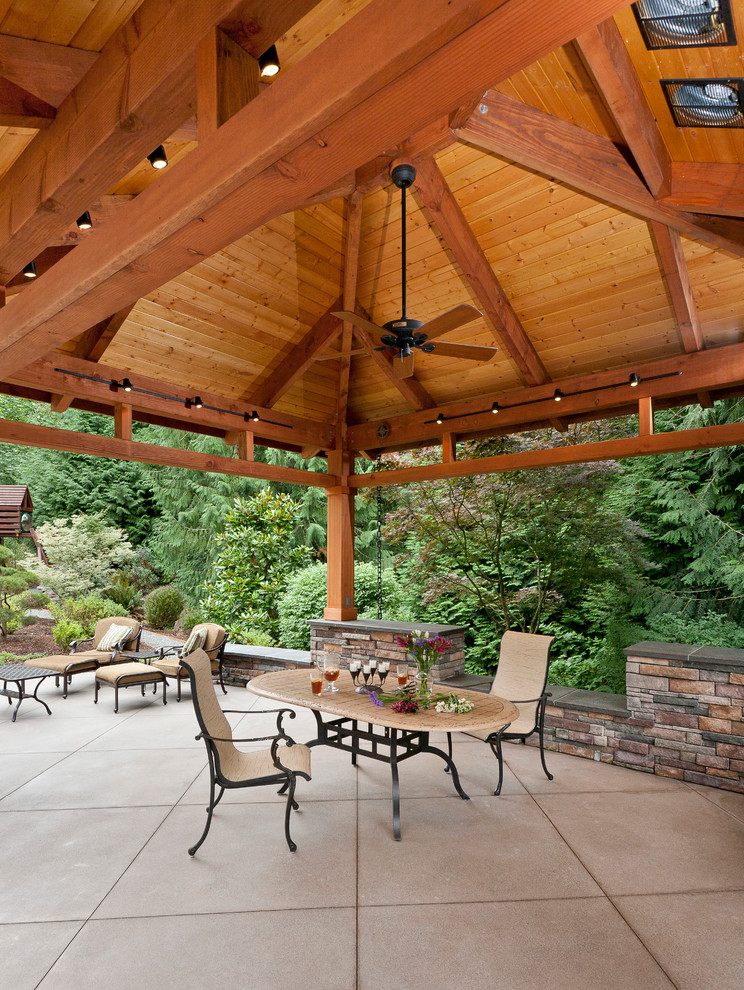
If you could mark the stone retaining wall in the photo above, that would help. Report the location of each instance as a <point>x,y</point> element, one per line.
<point>366,638</point>
<point>681,718</point>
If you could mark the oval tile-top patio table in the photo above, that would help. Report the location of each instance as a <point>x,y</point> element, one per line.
<point>364,729</point>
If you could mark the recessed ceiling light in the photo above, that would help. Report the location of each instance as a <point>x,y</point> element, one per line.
<point>84,222</point>
<point>158,157</point>
<point>268,62</point>
<point>685,23</point>
<point>705,102</point>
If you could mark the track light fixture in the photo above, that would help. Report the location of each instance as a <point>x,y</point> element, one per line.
<point>126,385</point>
<point>158,157</point>
<point>440,418</point>
<point>84,222</point>
<point>268,62</point>
<point>633,380</point>
<point>495,408</point>
<point>30,270</point>
<point>558,395</point>
<point>198,404</point>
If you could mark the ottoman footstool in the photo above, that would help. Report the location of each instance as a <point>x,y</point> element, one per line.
<point>125,675</point>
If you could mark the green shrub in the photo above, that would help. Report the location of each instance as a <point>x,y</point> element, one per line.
<point>190,617</point>
<point>14,580</point>
<point>126,593</point>
<point>31,599</point>
<point>16,658</point>
<point>65,630</point>
<point>86,611</point>
<point>163,606</point>
<point>305,599</point>
<point>248,636</point>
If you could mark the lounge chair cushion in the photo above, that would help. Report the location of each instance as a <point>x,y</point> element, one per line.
<point>195,641</point>
<point>59,664</point>
<point>128,673</point>
<point>115,636</point>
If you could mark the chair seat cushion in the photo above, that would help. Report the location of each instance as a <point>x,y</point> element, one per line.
<point>128,673</point>
<point>65,662</point>
<point>237,765</point>
<point>170,667</point>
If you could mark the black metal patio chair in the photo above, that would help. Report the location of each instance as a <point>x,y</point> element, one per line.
<point>230,767</point>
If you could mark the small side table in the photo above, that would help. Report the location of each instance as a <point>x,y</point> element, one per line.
<point>18,674</point>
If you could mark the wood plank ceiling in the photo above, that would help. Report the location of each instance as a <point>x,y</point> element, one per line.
<point>555,194</point>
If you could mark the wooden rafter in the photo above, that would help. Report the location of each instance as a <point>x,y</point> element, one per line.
<point>584,161</point>
<point>227,78</point>
<point>140,88</point>
<point>459,238</point>
<point>727,435</point>
<point>19,108</point>
<point>606,392</point>
<point>268,157</point>
<point>48,71</point>
<point>293,362</point>
<point>118,448</point>
<point>44,261</point>
<point>677,278</point>
<point>227,415</point>
<point>351,274</point>
<point>710,187</point>
<point>605,53</point>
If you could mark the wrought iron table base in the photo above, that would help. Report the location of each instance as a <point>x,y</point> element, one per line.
<point>21,694</point>
<point>386,745</point>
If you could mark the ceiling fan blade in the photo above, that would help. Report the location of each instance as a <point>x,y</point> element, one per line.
<point>450,320</point>
<point>402,367</point>
<point>348,317</point>
<point>464,351</point>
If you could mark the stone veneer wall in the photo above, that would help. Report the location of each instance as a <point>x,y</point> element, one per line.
<point>681,717</point>
<point>366,638</point>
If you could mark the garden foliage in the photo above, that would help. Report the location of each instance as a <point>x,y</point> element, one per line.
<point>256,555</point>
<point>14,581</point>
<point>163,607</point>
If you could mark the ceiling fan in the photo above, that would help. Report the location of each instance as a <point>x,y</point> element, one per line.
<point>406,335</point>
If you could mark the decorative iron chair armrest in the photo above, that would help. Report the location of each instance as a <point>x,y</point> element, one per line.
<point>79,642</point>
<point>275,755</point>
<point>167,651</point>
<point>524,701</point>
<point>206,735</point>
<point>280,712</point>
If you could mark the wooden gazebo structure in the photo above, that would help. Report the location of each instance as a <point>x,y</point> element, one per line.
<point>555,192</point>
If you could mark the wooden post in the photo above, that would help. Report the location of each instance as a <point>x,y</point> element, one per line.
<point>123,421</point>
<point>449,448</point>
<point>340,603</point>
<point>645,416</point>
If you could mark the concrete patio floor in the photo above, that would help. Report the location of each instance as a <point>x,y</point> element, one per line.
<point>605,877</point>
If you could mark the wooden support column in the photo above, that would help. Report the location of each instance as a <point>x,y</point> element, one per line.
<point>123,421</point>
<point>60,403</point>
<point>340,603</point>
<point>645,416</point>
<point>449,448</point>
<point>245,445</point>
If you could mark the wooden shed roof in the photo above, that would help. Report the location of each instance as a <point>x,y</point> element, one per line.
<point>554,193</point>
<point>15,497</point>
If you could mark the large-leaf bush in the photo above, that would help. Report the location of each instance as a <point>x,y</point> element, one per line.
<point>257,553</point>
<point>306,594</point>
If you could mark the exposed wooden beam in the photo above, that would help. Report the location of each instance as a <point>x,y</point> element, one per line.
<point>340,189</point>
<point>292,362</point>
<point>708,187</point>
<point>245,445</point>
<point>269,156</point>
<point>101,211</point>
<point>423,144</point>
<point>410,388</point>
<point>677,278</point>
<point>646,415</point>
<point>49,438</point>
<point>136,93</point>
<point>608,60</point>
<point>48,71</point>
<point>449,447</point>
<point>226,415</point>
<point>44,261</point>
<point>351,274</point>
<point>19,108</point>
<point>226,79</point>
<point>587,396</point>
<point>459,238</point>
<point>728,435</point>
<point>60,403</point>
<point>123,421</point>
<point>584,161</point>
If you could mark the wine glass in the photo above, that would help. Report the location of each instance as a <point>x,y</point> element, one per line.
<point>330,672</point>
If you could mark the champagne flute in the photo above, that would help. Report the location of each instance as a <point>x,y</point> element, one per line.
<point>331,672</point>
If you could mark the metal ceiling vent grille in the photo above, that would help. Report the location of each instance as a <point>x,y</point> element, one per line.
<point>705,102</point>
<point>685,23</point>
